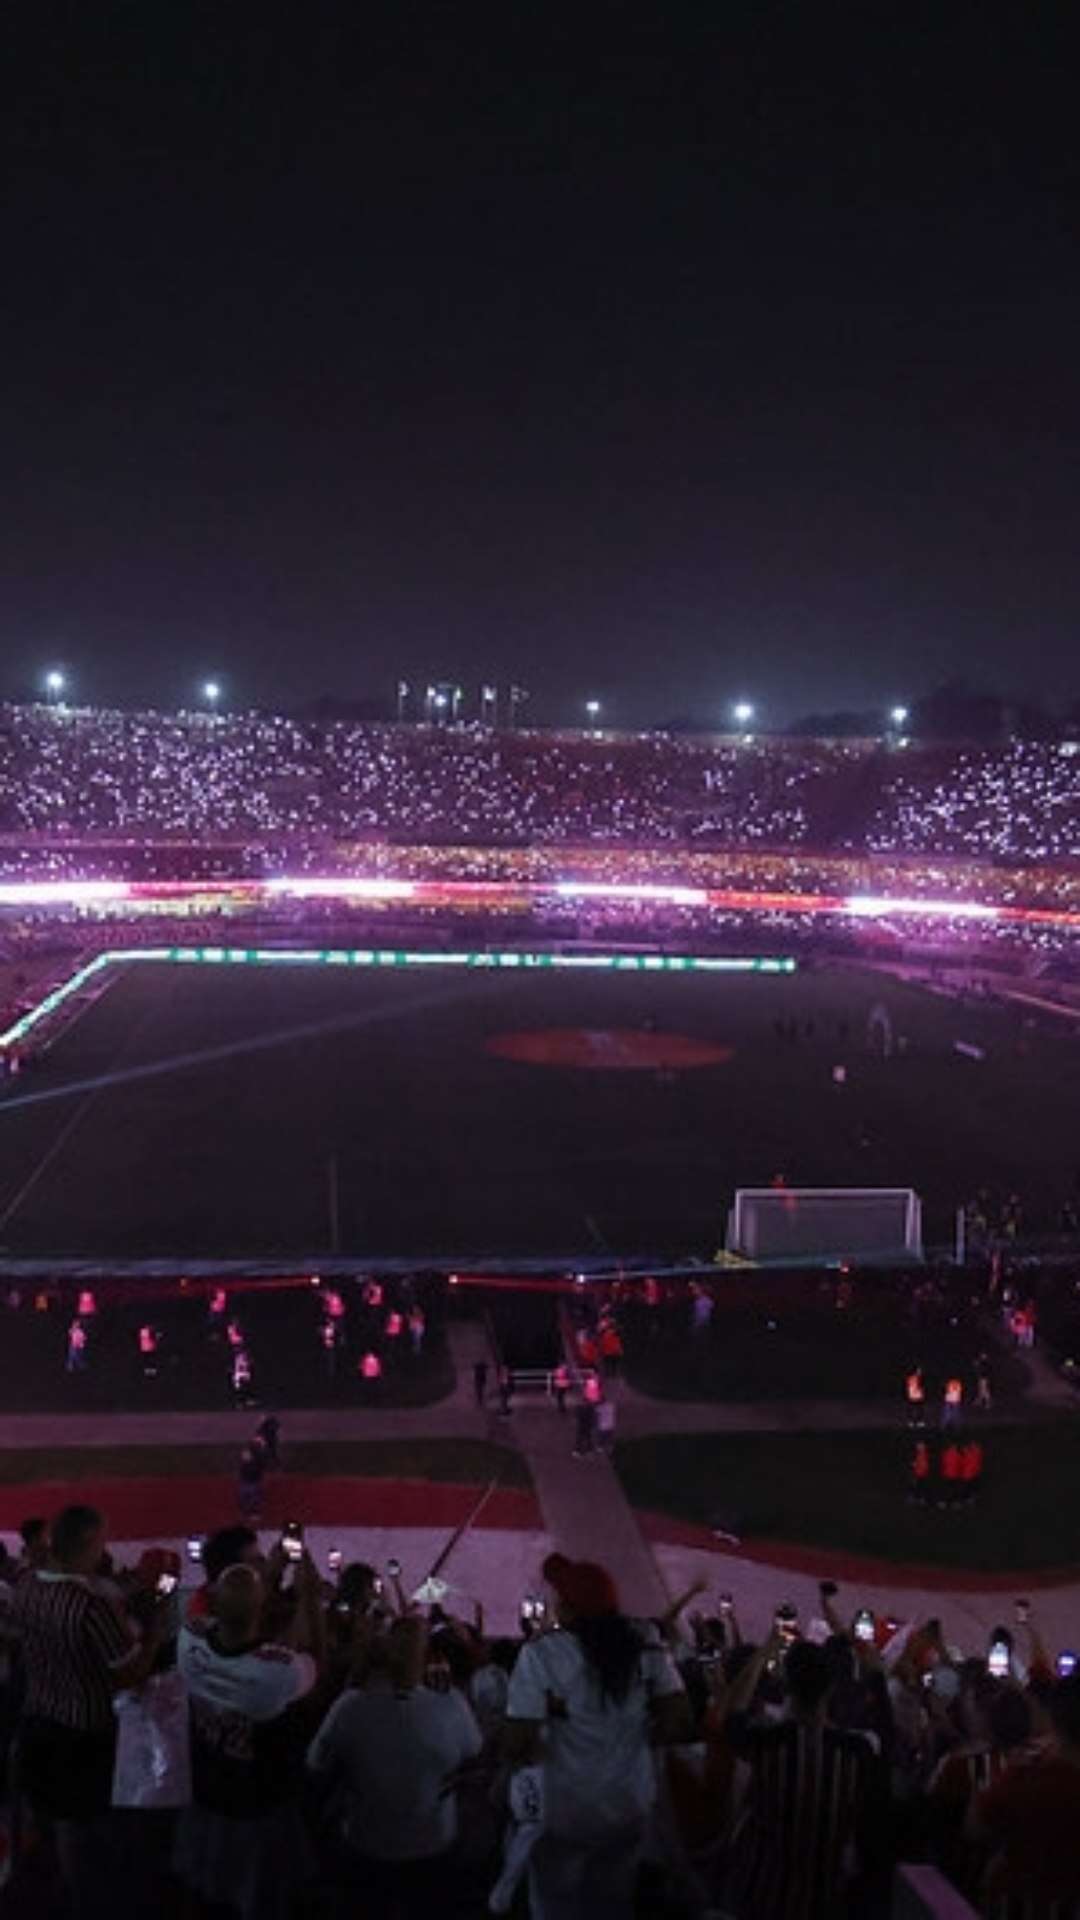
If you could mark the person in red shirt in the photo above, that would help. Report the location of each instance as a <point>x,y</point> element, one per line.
<point>920,1473</point>
<point>611,1347</point>
<point>971,1467</point>
<point>915,1395</point>
<point>951,1470</point>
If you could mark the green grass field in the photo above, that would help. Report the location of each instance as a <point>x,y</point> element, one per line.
<point>778,1336</point>
<point>196,1112</point>
<point>460,1462</point>
<point>849,1491</point>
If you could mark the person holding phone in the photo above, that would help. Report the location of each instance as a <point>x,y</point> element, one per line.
<point>243,1843</point>
<point>393,1749</point>
<point>588,1703</point>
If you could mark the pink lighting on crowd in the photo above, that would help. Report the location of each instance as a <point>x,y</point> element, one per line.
<point>61,893</point>
<point>873,906</point>
<point>631,890</point>
<point>345,887</point>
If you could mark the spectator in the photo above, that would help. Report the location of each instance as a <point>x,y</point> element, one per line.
<point>396,1747</point>
<point>810,1795</point>
<point>1029,1821</point>
<point>228,1547</point>
<point>77,1652</point>
<point>588,1702</point>
<point>242,1843</point>
<point>34,1534</point>
<point>1000,1722</point>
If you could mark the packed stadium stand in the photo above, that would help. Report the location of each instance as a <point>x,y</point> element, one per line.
<point>66,772</point>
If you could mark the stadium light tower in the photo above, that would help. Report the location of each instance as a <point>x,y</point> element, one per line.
<point>55,683</point>
<point>211,693</point>
<point>742,713</point>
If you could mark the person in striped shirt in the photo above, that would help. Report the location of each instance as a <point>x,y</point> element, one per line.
<point>77,1651</point>
<point>813,1793</point>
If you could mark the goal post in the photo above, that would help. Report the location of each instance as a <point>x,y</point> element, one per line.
<point>791,1224</point>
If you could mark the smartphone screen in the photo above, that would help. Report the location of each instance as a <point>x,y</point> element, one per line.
<point>334,1559</point>
<point>998,1660</point>
<point>787,1623</point>
<point>864,1624</point>
<point>1065,1664</point>
<point>167,1583</point>
<point>194,1548</point>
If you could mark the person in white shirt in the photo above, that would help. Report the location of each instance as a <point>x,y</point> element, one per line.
<point>242,1843</point>
<point>395,1747</point>
<point>590,1699</point>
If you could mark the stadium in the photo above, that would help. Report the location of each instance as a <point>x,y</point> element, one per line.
<point>427,1091</point>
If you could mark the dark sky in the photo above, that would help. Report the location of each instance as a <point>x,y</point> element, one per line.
<point>666,355</point>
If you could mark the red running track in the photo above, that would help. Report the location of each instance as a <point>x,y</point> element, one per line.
<point>156,1509</point>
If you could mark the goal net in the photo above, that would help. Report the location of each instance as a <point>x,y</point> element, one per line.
<point>826,1223</point>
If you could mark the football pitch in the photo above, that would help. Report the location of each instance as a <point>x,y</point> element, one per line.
<point>448,1115</point>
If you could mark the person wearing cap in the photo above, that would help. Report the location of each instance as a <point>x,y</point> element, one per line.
<point>589,1702</point>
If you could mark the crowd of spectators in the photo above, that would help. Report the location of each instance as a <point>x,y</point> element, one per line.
<point>152,774</point>
<point>153,777</point>
<point>1016,802</point>
<point>281,1739</point>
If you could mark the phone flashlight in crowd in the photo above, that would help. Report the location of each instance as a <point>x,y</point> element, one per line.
<point>864,1624</point>
<point>166,1583</point>
<point>726,1603</point>
<point>1065,1664</point>
<point>194,1548</point>
<point>787,1622</point>
<point>1023,1610</point>
<point>334,1559</point>
<point>393,1568</point>
<point>292,1540</point>
<point>997,1662</point>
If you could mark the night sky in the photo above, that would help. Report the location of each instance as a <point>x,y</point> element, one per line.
<point>662,355</point>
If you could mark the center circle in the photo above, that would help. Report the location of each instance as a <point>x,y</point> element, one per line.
<point>608,1049</point>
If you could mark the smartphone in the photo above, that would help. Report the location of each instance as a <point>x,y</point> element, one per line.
<point>292,1539</point>
<point>787,1622</point>
<point>997,1661</point>
<point>194,1547</point>
<point>1065,1664</point>
<point>167,1583</point>
<point>863,1625</point>
<point>1023,1610</point>
<point>725,1602</point>
<point>393,1568</point>
<point>334,1559</point>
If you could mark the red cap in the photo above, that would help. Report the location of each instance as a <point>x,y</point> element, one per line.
<point>588,1590</point>
<point>154,1562</point>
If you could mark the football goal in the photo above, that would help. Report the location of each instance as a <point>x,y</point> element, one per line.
<point>825,1223</point>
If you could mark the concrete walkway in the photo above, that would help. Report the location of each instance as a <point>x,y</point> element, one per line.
<point>584,1508</point>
